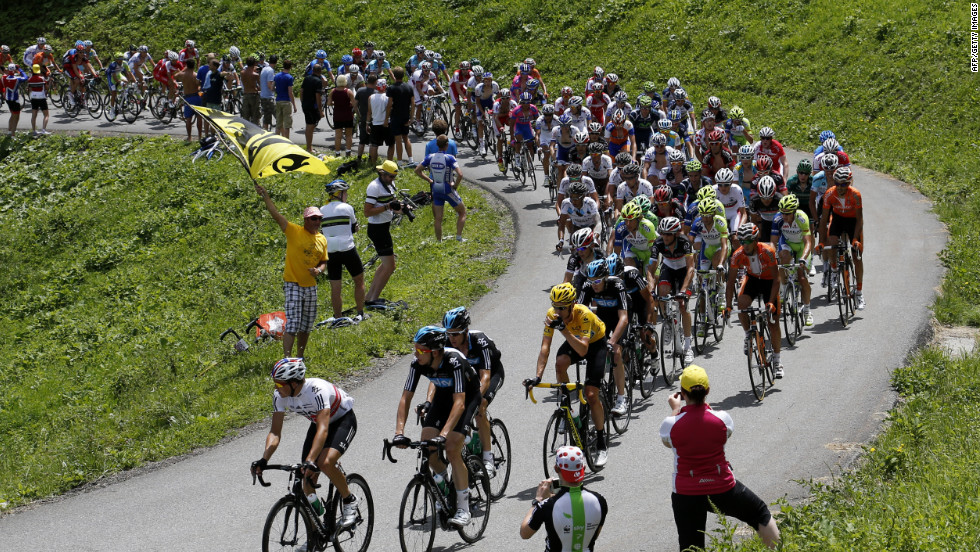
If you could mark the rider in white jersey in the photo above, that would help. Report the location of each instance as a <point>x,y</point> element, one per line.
<point>730,196</point>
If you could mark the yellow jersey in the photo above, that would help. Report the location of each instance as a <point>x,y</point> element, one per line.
<point>584,323</point>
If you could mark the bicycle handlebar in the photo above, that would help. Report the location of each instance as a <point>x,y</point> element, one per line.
<point>440,448</point>
<point>529,390</point>
<point>295,468</point>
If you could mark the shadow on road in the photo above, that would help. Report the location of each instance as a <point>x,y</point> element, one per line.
<point>744,399</point>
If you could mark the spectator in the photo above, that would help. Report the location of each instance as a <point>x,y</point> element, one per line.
<point>250,91</point>
<point>379,204</point>
<point>339,226</point>
<point>580,512</point>
<point>214,81</point>
<point>39,102</point>
<point>311,94</point>
<point>441,167</point>
<point>361,99</point>
<point>188,77</point>
<point>703,478</point>
<point>402,103</point>
<point>306,258</point>
<point>284,99</point>
<point>379,112</point>
<point>440,126</point>
<point>342,100</point>
<point>10,84</point>
<point>267,91</point>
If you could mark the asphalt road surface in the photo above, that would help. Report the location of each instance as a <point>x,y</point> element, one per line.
<point>833,397</point>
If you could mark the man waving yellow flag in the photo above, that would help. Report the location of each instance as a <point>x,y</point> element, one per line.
<point>261,152</point>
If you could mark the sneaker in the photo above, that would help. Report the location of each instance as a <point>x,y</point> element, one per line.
<point>491,468</point>
<point>860,299</point>
<point>620,408</point>
<point>778,372</point>
<point>411,165</point>
<point>807,318</point>
<point>813,271</point>
<point>461,239</point>
<point>461,519</point>
<point>349,512</point>
<point>360,318</point>
<point>688,356</point>
<point>501,168</point>
<point>602,458</point>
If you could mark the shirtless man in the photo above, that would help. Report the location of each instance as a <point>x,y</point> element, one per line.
<point>188,77</point>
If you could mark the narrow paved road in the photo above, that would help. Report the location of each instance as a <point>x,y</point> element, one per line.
<point>833,397</point>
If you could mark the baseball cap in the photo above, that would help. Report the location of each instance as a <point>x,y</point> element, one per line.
<point>312,212</point>
<point>389,167</point>
<point>571,462</point>
<point>694,376</point>
<point>36,68</point>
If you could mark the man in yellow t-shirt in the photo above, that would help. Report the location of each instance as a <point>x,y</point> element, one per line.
<point>585,339</point>
<point>306,258</point>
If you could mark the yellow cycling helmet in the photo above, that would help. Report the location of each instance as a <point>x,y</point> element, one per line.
<point>563,294</point>
<point>631,211</point>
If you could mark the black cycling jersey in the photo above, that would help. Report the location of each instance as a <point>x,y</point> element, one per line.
<point>454,374</point>
<point>780,183</point>
<point>576,266</point>
<point>672,257</point>
<point>558,514</point>
<point>633,279</point>
<point>675,209</point>
<point>613,296</point>
<point>483,353</point>
<point>694,185</point>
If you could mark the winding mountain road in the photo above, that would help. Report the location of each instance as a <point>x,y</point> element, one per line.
<point>834,396</point>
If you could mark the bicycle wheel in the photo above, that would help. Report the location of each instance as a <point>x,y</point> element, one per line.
<point>851,287</point>
<point>93,103</point>
<point>71,105</point>
<point>646,372</point>
<point>131,109</point>
<point>111,112</point>
<point>717,319</point>
<point>769,368</point>
<point>757,376</point>
<point>789,315</point>
<point>701,322</point>
<point>842,299</point>
<point>288,527</point>
<point>520,167</point>
<point>667,352</point>
<point>529,166</point>
<point>479,501</point>
<point>328,115</point>
<point>553,184</point>
<point>500,445</point>
<point>55,92</point>
<point>622,423</point>
<point>357,537</point>
<point>417,518</point>
<point>556,435</point>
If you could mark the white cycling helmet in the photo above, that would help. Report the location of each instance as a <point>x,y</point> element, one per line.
<point>289,369</point>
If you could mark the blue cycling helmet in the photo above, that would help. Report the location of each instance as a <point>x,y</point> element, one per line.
<point>614,263</point>
<point>532,84</point>
<point>826,135</point>
<point>675,115</point>
<point>525,68</point>
<point>526,97</point>
<point>347,58</point>
<point>433,337</point>
<point>320,54</point>
<point>336,186</point>
<point>597,269</point>
<point>565,119</point>
<point>488,75</point>
<point>456,319</point>
<point>79,43</point>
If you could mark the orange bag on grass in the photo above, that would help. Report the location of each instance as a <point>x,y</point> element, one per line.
<point>272,325</point>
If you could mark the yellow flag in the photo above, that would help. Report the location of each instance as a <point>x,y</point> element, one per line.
<point>263,153</point>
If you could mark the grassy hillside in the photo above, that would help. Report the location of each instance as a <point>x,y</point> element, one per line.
<point>891,78</point>
<point>122,264</point>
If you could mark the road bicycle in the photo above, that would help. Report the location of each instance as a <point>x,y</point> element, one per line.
<point>127,104</point>
<point>86,98</point>
<point>293,524</point>
<point>608,389</point>
<point>708,309</point>
<point>210,149</point>
<point>527,152</point>
<point>567,428</point>
<point>54,88</point>
<point>553,178</point>
<point>231,99</point>
<point>500,446</point>
<point>411,204</point>
<point>489,135</point>
<point>671,335</point>
<point>606,226</point>
<point>760,349</point>
<point>843,281</point>
<point>642,365</point>
<point>791,301</point>
<point>425,505</point>
<point>162,107</point>
<point>432,109</point>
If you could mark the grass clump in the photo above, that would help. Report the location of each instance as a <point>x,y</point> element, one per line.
<point>122,264</point>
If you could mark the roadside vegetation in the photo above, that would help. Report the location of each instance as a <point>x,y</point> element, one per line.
<point>123,262</point>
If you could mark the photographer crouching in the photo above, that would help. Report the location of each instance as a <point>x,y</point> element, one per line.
<point>380,204</point>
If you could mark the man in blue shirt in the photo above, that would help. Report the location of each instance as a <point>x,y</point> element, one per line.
<point>440,126</point>
<point>441,166</point>
<point>284,99</point>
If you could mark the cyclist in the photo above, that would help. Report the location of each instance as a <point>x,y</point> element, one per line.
<point>598,76</point>
<point>709,232</point>
<point>843,201</point>
<point>457,91</point>
<point>333,426</point>
<point>731,197</point>
<point>703,478</point>
<point>700,138</point>
<point>338,225</point>
<point>544,130</point>
<point>681,103</point>
<point>424,83</point>
<point>519,85</point>
<point>620,101</point>
<point>640,300</point>
<point>695,180</point>
<point>759,262</point>
<point>739,128</point>
<point>380,66</point>
<point>708,197</point>
<point>33,50</point>
<point>561,104</point>
<point>801,186</point>
<point>165,72</point>
<point>574,174</point>
<point>620,134</point>
<point>92,54</point>
<point>325,69</point>
<point>136,63</point>
<point>577,212</point>
<point>537,96</point>
<point>585,340</point>
<point>714,107</point>
<point>596,132</point>
<point>536,75</point>
<point>676,271</point>
<point>522,118</point>
<point>643,119</point>
<point>763,168</point>
<point>829,164</point>
<point>598,166</point>
<point>442,168</point>
<point>718,155</point>
<point>611,85</point>
<point>616,174</point>
<point>634,238</point>
<point>675,176</point>
<point>117,74</point>
<point>794,242</point>
<point>44,58</point>
<point>502,109</point>
<point>666,205</point>
<point>650,91</point>
<point>584,250</point>
<point>73,63</point>
<point>483,355</point>
<point>666,127</point>
<point>745,170</point>
<point>656,158</point>
<point>597,101</point>
<point>580,117</point>
<point>612,307</point>
<point>413,62</point>
<point>573,516</point>
<point>189,51</point>
<point>673,83</point>
<point>452,400</point>
<point>765,205</point>
<point>631,187</point>
<point>770,147</point>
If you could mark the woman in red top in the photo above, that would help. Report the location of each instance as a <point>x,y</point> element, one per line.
<point>342,100</point>
<point>701,472</point>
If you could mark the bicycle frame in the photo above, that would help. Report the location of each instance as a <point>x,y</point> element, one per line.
<point>322,530</point>
<point>565,406</point>
<point>424,475</point>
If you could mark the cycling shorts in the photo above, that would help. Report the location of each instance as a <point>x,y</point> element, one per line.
<point>643,258</point>
<point>614,149</point>
<point>496,382</point>
<point>72,71</point>
<point>706,254</point>
<point>595,360</point>
<point>674,277</point>
<point>161,76</point>
<point>525,131</point>
<point>457,98</point>
<point>498,129</point>
<point>440,198</point>
<point>340,434</point>
<point>562,157</point>
<point>638,307</point>
<point>756,287</point>
<point>482,105</point>
<point>796,248</point>
<point>840,225</point>
<point>339,260</point>
<point>442,406</point>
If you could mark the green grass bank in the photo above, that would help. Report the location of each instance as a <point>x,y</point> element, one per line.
<point>122,264</point>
